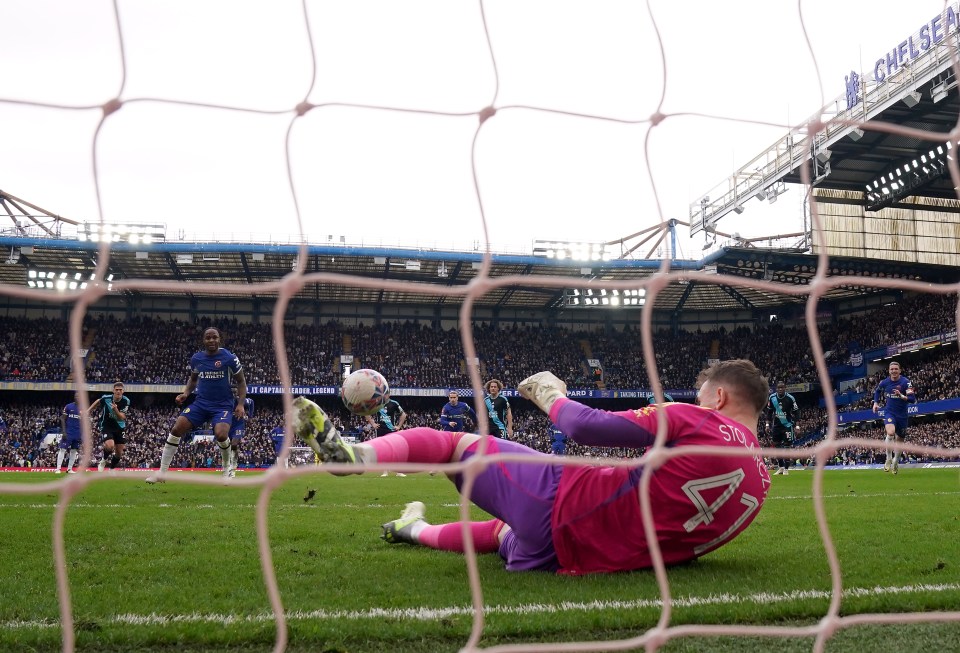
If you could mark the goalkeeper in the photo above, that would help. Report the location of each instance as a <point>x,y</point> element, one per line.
<point>584,519</point>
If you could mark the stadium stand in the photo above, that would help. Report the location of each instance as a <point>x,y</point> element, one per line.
<point>417,356</point>
<point>421,356</point>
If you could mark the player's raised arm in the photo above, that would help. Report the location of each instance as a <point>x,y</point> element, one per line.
<point>583,424</point>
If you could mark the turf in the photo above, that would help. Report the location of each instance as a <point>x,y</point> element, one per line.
<point>176,567</point>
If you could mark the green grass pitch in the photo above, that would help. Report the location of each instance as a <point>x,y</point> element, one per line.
<point>176,567</point>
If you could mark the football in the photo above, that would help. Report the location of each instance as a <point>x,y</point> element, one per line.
<point>364,392</point>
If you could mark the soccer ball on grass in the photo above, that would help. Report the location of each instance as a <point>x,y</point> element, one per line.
<point>364,392</point>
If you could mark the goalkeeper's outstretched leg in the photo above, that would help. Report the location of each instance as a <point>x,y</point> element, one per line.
<point>315,428</point>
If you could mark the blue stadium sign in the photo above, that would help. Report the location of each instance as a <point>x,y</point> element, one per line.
<point>922,408</point>
<point>934,32</point>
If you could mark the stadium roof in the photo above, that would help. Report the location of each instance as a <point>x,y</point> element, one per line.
<point>858,149</point>
<point>250,266</point>
<point>859,159</point>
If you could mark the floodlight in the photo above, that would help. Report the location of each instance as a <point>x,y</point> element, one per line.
<point>117,232</point>
<point>856,134</point>
<point>912,99</point>
<point>601,297</point>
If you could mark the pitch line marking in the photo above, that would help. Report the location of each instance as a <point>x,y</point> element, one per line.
<point>434,614</point>
<point>853,494</point>
<point>348,506</point>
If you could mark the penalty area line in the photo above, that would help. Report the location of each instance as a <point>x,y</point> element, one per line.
<point>433,614</point>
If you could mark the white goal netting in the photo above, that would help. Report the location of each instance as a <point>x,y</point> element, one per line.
<point>524,120</point>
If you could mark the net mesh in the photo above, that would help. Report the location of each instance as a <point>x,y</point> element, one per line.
<point>291,114</point>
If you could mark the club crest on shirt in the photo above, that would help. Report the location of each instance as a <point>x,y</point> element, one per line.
<point>646,410</point>
<point>217,364</point>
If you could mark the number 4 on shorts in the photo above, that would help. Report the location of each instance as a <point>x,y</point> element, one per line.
<point>706,512</point>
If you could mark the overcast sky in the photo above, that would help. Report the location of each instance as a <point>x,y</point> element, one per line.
<point>387,177</point>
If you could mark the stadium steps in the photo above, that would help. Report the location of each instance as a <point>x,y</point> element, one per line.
<point>465,371</point>
<point>346,345</point>
<point>587,349</point>
<point>587,370</point>
<point>714,349</point>
<point>88,345</point>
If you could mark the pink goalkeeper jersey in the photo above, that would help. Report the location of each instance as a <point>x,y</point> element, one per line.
<point>699,502</point>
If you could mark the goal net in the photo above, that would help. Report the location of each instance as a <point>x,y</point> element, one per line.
<point>485,121</point>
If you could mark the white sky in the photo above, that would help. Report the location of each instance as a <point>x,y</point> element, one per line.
<point>389,178</point>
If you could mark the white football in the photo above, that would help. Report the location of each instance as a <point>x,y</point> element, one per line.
<point>364,392</point>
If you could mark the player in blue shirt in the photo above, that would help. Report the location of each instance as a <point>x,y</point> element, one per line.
<point>113,425</point>
<point>558,441</point>
<point>454,413</point>
<point>276,435</point>
<point>895,392</point>
<point>211,374</point>
<point>238,429</point>
<point>71,440</point>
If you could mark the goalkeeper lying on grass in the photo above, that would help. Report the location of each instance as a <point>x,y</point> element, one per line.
<point>578,519</point>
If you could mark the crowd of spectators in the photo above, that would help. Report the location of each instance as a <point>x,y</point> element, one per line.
<point>155,351</point>
<point>151,350</point>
